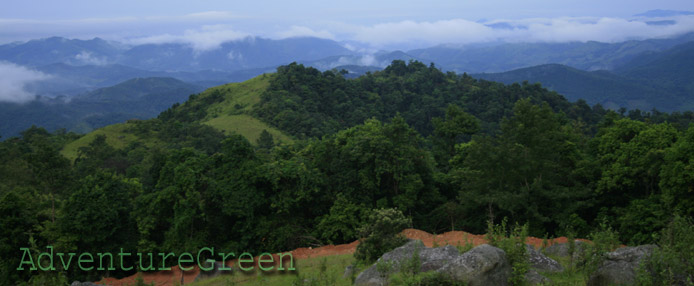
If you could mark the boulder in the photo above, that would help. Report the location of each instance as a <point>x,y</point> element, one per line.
<point>535,278</point>
<point>482,265</point>
<point>430,259</point>
<point>541,262</point>
<point>562,249</point>
<point>619,267</point>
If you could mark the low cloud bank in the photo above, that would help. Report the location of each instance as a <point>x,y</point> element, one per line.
<point>460,31</point>
<point>13,79</point>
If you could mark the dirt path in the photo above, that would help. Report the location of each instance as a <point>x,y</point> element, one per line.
<point>455,238</point>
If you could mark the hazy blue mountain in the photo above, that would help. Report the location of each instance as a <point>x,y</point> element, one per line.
<point>248,53</point>
<point>136,98</point>
<point>663,13</point>
<point>510,56</point>
<point>672,69</point>
<point>661,80</point>
<point>608,89</point>
<point>71,80</point>
<point>61,50</point>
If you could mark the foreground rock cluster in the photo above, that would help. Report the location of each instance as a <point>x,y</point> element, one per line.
<point>482,265</point>
<point>488,265</point>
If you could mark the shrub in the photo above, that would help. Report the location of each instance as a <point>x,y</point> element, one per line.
<point>605,240</point>
<point>673,263</point>
<point>512,241</point>
<point>465,247</point>
<point>381,234</point>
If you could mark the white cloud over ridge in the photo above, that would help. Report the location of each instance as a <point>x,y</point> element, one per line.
<point>208,37</point>
<point>460,31</point>
<point>302,31</point>
<point>13,79</point>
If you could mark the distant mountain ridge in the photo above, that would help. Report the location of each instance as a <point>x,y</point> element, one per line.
<point>247,53</point>
<point>505,57</point>
<point>660,80</point>
<point>140,98</point>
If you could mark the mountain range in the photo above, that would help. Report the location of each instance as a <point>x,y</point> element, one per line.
<point>660,80</point>
<point>643,74</point>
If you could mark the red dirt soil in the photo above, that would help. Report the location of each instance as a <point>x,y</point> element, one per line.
<point>455,238</point>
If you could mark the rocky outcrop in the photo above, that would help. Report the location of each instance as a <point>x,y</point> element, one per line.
<point>562,249</point>
<point>534,278</point>
<point>430,259</point>
<point>540,262</point>
<point>619,267</point>
<point>483,265</point>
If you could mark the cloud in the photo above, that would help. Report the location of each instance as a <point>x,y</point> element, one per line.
<point>565,29</point>
<point>426,33</point>
<point>207,38</point>
<point>13,79</point>
<point>301,31</point>
<point>87,58</point>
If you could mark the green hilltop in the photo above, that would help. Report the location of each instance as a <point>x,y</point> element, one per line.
<point>229,114</point>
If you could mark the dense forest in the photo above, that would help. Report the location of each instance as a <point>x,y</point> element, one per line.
<point>449,151</point>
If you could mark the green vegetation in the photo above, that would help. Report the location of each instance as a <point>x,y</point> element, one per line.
<point>247,126</point>
<point>671,264</point>
<point>381,234</point>
<point>445,150</point>
<point>512,241</point>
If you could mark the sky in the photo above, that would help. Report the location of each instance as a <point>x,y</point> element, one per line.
<point>378,24</point>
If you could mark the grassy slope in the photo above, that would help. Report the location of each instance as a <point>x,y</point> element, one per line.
<point>230,115</point>
<point>117,135</point>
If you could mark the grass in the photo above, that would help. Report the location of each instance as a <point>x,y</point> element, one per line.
<point>117,135</point>
<point>238,97</point>
<point>247,126</point>
<point>309,268</point>
<point>568,277</point>
<point>230,115</point>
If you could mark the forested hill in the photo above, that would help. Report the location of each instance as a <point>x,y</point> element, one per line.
<point>303,157</point>
<point>304,102</point>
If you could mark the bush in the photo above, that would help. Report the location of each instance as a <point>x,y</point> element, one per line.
<point>605,240</point>
<point>381,234</point>
<point>512,241</point>
<point>673,263</point>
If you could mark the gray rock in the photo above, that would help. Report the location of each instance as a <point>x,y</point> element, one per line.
<point>541,262</point>
<point>430,259</point>
<point>562,249</point>
<point>483,265</point>
<point>535,278</point>
<point>216,271</point>
<point>619,267</point>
